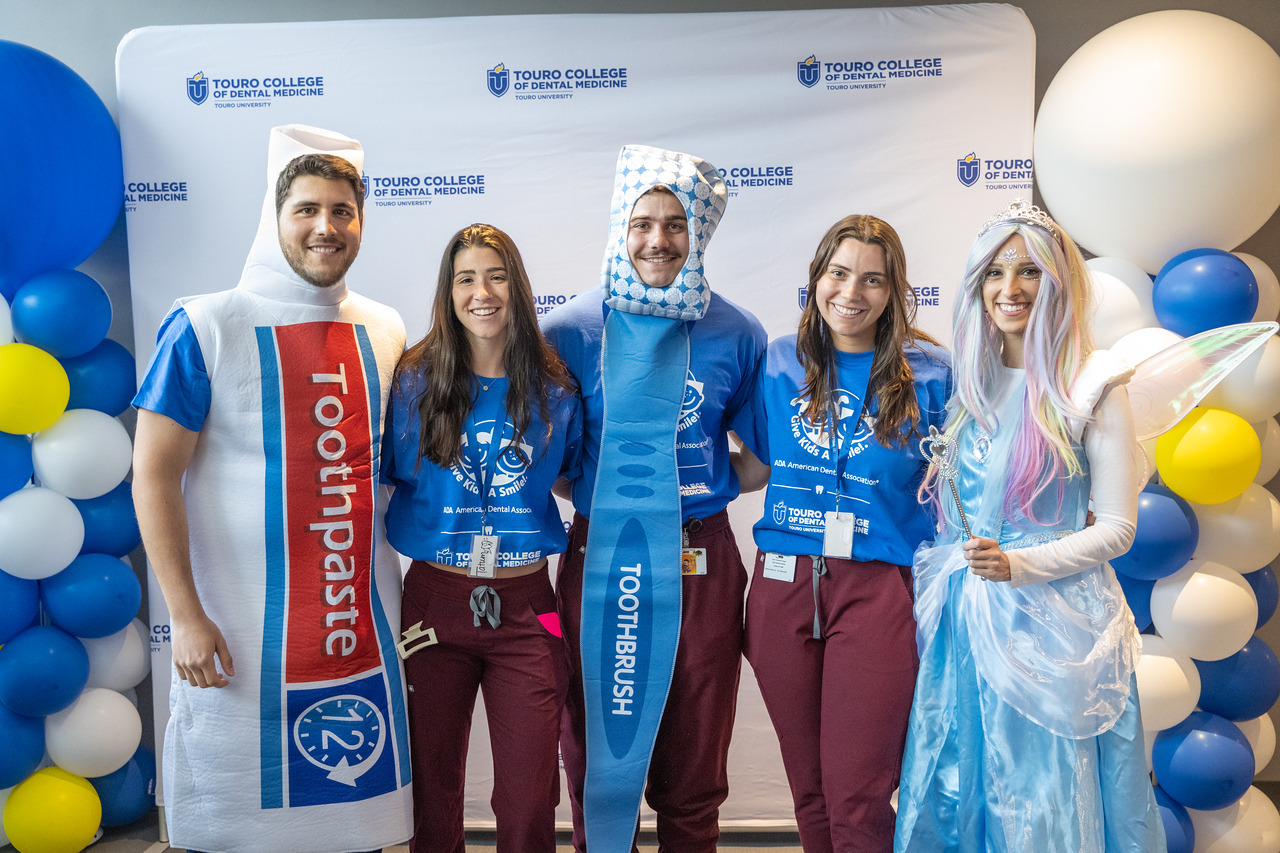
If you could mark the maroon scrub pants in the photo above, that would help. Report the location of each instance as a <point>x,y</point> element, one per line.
<point>840,702</point>
<point>522,667</point>
<point>688,779</point>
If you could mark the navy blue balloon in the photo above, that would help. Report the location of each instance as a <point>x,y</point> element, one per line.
<point>1167,535</point>
<point>1243,686</point>
<point>64,312</point>
<point>21,746</point>
<point>1204,292</point>
<point>110,524</point>
<point>1267,590</point>
<point>93,597</point>
<point>1137,593</point>
<point>60,159</point>
<point>42,671</point>
<point>130,792</point>
<point>15,463</point>
<point>19,603</point>
<point>104,378</point>
<point>1204,762</point>
<point>1179,832</point>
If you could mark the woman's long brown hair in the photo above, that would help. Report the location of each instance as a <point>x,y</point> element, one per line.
<point>443,357</point>
<point>892,382</point>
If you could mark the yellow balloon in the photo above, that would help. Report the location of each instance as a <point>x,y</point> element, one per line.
<point>1211,456</point>
<point>33,389</point>
<point>52,811</point>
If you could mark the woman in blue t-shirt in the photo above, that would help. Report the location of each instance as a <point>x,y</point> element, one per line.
<point>483,419</point>
<point>838,410</point>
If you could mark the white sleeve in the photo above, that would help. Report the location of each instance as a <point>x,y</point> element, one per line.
<point>1114,468</point>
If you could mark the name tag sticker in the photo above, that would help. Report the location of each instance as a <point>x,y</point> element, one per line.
<point>780,567</point>
<point>693,561</point>
<point>837,537</point>
<point>484,556</point>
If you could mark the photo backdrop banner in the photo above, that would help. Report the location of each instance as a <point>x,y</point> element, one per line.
<point>921,116</point>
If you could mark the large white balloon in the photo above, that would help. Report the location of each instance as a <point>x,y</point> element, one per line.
<point>1268,287</point>
<point>1140,345</point>
<point>1204,610</point>
<point>42,533</point>
<point>1158,135</point>
<point>97,735</point>
<point>1119,310</point>
<point>1261,733</point>
<point>120,661</point>
<point>1269,435</point>
<point>1252,389</point>
<point>1242,533</point>
<point>1168,683</point>
<point>85,454</point>
<point>1251,825</point>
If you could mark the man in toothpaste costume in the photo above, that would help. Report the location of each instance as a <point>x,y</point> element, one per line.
<point>288,731</point>
<point>650,597</point>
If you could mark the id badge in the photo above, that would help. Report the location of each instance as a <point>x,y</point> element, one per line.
<point>693,561</point>
<point>484,556</point>
<point>780,567</point>
<point>837,537</point>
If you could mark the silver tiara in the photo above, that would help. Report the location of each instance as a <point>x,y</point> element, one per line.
<point>1021,211</point>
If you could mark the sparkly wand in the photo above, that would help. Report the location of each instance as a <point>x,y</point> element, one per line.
<point>941,450</point>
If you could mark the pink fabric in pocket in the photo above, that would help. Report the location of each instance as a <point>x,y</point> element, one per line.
<point>551,621</point>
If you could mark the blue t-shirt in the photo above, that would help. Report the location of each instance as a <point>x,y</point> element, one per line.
<point>177,382</point>
<point>725,348</point>
<point>878,484</point>
<point>435,511</point>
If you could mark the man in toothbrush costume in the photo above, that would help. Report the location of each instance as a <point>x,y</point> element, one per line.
<point>650,592</point>
<point>256,486</point>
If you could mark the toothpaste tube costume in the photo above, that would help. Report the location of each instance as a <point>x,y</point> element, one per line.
<point>287,383</point>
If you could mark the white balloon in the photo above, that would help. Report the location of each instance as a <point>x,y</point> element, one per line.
<point>6,331</point>
<point>1149,740</point>
<point>1269,435</point>
<point>1251,825</point>
<point>1158,135</point>
<point>120,661</point>
<point>1268,288</point>
<point>42,532</point>
<point>1168,683</point>
<point>1242,533</point>
<point>1137,346</point>
<point>85,454</point>
<point>4,798</point>
<point>97,735</point>
<point>1119,310</point>
<point>1261,733</point>
<point>1252,389</point>
<point>1204,610</point>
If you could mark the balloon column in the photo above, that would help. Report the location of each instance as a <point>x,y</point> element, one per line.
<point>69,738</point>
<point>1186,171</point>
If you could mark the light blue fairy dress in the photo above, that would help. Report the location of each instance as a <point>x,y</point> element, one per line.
<point>1025,734</point>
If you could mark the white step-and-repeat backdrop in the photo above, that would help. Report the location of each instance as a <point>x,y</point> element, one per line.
<point>921,116</point>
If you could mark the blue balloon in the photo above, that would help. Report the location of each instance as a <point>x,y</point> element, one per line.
<point>104,378</point>
<point>1177,259</point>
<point>1204,762</point>
<point>93,597</point>
<point>21,746</point>
<point>130,792</point>
<point>42,671</point>
<point>64,312</point>
<point>110,524</point>
<point>1179,832</point>
<point>15,463</point>
<point>1204,292</point>
<point>1167,535</point>
<point>1243,686</point>
<point>61,159</point>
<point>1267,590</point>
<point>19,604</point>
<point>1137,593</point>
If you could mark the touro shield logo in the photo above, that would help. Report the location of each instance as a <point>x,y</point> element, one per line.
<point>499,80</point>
<point>198,88</point>
<point>968,169</point>
<point>779,512</point>
<point>809,71</point>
